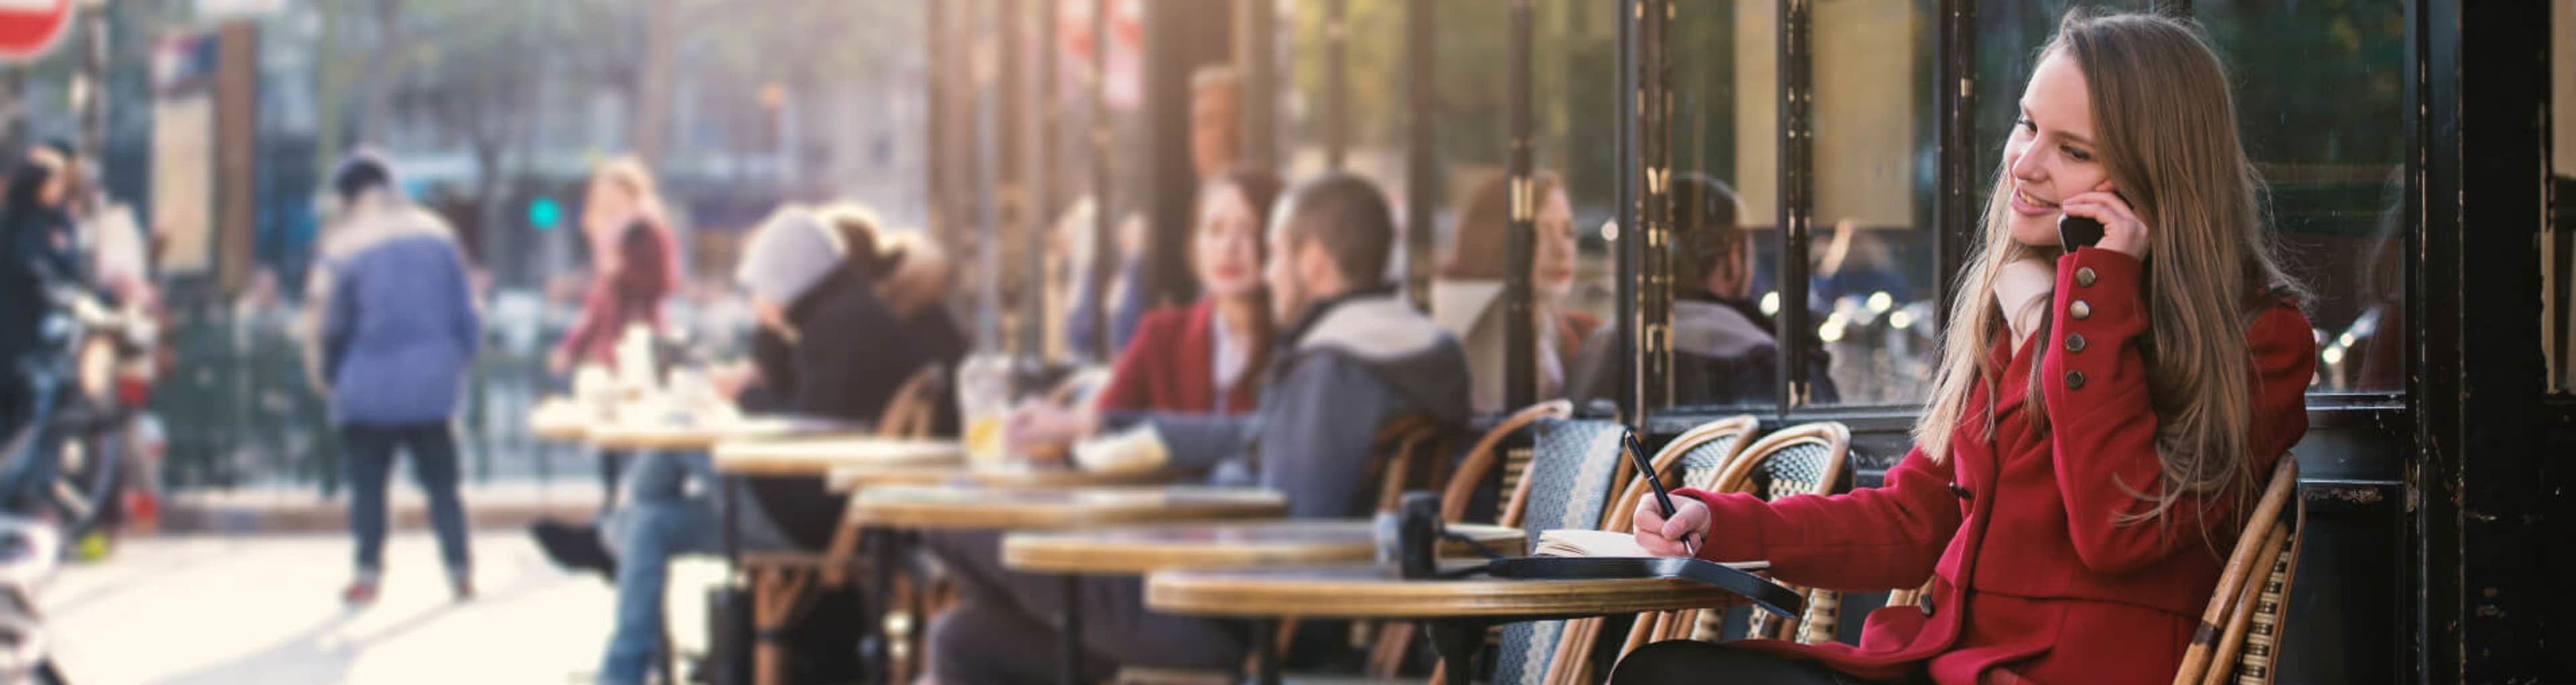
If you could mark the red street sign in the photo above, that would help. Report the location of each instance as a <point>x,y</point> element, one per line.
<point>30,27</point>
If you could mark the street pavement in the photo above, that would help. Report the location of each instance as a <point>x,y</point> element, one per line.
<point>219,610</point>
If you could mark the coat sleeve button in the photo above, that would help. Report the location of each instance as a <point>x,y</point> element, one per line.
<point>2079,309</point>
<point>2084,276</point>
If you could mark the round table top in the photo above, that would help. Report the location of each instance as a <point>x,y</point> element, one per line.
<point>851,478</point>
<point>803,456</point>
<point>1140,549</point>
<point>705,435</point>
<point>982,508</point>
<point>1366,592</point>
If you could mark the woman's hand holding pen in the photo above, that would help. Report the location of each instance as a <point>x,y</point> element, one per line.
<point>1677,536</point>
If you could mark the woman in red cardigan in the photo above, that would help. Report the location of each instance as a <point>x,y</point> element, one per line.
<point>1207,357</point>
<point>2100,419</point>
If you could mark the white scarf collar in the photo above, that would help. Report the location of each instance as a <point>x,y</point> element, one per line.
<point>2023,290</point>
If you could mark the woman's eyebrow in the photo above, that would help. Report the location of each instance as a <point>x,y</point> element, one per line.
<point>2070,137</point>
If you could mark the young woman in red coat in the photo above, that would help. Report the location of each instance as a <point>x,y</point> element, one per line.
<point>1207,357</point>
<point>2100,420</point>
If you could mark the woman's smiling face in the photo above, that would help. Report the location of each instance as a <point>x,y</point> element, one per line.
<point>2051,155</point>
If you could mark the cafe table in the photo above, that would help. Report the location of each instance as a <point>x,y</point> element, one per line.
<point>822,456</point>
<point>1137,550</point>
<point>1456,611</point>
<point>855,477</point>
<point>559,419</point>
<point>706,434</point>
<point>973,507</point>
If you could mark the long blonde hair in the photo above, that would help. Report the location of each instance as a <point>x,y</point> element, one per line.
<point>2166,127</point>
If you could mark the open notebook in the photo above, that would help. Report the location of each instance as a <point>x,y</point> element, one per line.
<point>1564,542</point>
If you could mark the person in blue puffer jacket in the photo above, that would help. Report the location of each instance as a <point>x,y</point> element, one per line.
<point>396,335</point>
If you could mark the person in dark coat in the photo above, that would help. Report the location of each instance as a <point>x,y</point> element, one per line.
<point>827,289</point>
<point>39,247</point>
<point>1724,348</point>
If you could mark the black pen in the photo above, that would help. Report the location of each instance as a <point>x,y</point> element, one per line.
<point>1663,498</point>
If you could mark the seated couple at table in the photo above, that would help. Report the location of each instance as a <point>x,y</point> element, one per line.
<point>2077,478</point>
<point>827,288</point>
<point>1355,355</point>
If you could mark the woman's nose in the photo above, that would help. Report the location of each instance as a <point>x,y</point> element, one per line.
<point>2027,169</point>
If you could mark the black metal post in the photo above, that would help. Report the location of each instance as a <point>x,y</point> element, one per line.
<point>1520,375</point>
<point>1256,56</point>
<point>1102,218</point>
<point>1797,197</point>
<point>1955,205</point>
<point>875,646</point>
<point>2488,78</point>
<point>1039,218</point>
<point>1457,641</point>
<point>1071,631</point>
<point>1421,170</point>
<point>1011,198</point>
<point>1652,235</point>
<point>1629,248</point>
<point>935,161</point>
<point>1265,651</point>
<point>1337,82</point>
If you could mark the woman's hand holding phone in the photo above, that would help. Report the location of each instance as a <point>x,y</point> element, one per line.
<point>2121,230</point>
<point>1664,536</point>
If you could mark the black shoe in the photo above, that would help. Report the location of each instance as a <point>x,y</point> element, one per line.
<point>574,547</point>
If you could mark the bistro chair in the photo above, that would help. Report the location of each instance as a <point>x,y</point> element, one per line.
<point>1798,460</point>
<point>1699,456</point>
<point>1567,486</point>
<point>783,581</point>
<point>2239,639</point>
<point>1411,454</point>
<point>1695,458</point>
<point>1396,639</point>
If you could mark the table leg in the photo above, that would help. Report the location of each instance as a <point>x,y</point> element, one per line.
<point>1265,651</point>
<point>728,528</point>
<point>727,662</point>
<point>884,555</point>
<point>1458,641</point>
<point>1073,629</point>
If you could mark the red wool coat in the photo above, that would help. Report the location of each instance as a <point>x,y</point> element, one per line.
<point>2035,582</point>
<point>1170,365</point>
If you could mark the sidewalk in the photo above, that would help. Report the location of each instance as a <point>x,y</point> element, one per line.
<point>302,509</point>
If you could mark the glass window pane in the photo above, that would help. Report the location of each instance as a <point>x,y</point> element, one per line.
<point>1724,254</point>
<point>2333,148</point>
<point>1871,252</point>
<point>1574,62</point>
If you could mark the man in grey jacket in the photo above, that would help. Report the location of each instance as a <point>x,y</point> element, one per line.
<point>1357,356</point>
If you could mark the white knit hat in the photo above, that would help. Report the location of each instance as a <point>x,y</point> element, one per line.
<point>791,252</point>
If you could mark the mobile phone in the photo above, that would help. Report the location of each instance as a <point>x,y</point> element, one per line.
<point>2078,231</point>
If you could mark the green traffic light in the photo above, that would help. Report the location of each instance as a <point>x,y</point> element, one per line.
<point>544,212</point>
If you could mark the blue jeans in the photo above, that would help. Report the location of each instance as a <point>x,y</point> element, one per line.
<point>369,452</point>
<point>659,519</point>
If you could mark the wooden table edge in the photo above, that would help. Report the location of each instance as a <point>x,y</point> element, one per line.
<point>1061,551</point>
<point>1200,594</point>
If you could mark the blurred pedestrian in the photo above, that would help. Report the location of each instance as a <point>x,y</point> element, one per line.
<point>1208,356</point>
<point>39,244</point>
<point>398,333</point>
